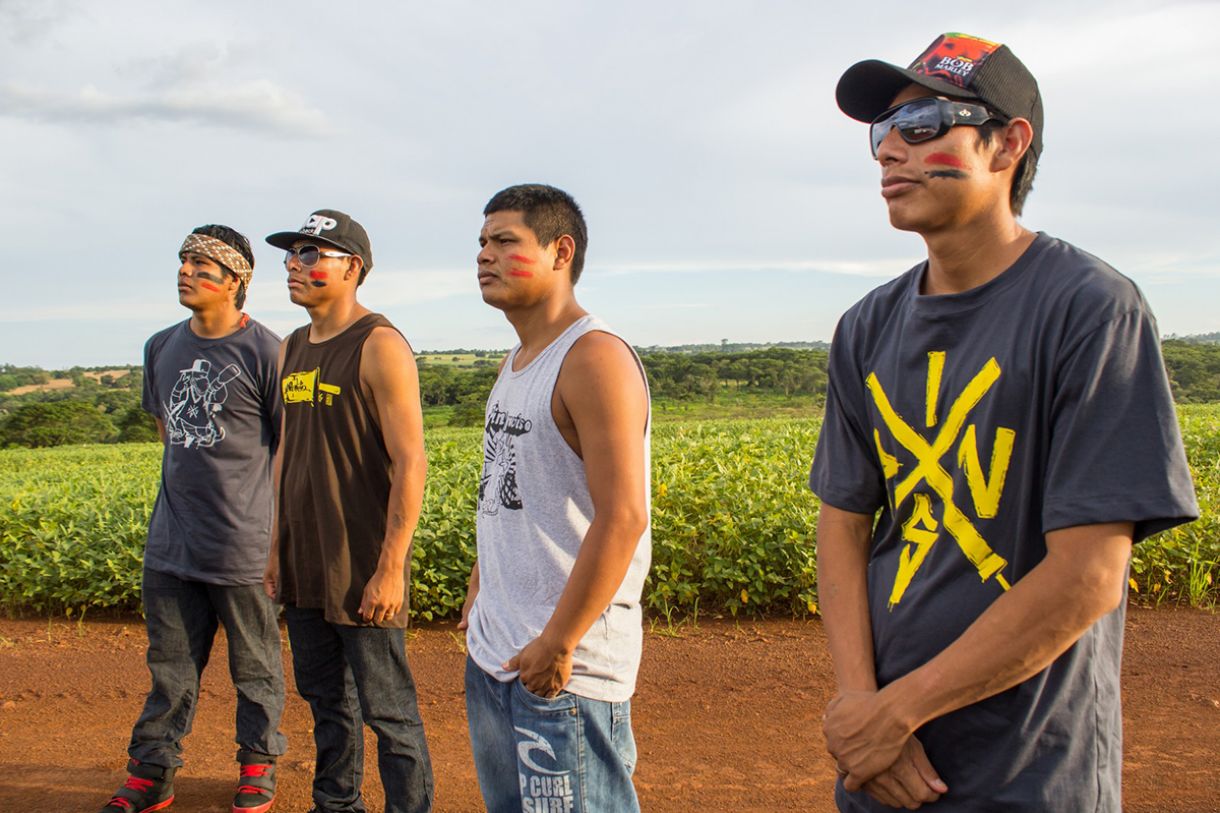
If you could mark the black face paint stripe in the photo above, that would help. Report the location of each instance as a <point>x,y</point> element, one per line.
<point>955,174</point>
<point>219,279</point>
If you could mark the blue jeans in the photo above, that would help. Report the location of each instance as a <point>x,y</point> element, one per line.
<point>351,676</point>
<point>537,755</point>
<point>182,617</point>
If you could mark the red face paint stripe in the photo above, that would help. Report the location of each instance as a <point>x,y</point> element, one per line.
<point>519,272</point>
<point>209,286</point>
<point>944,159</point>
<point>517,258</point>
<point>317,275</point>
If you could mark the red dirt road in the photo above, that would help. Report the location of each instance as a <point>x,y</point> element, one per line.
<point>726,718</point>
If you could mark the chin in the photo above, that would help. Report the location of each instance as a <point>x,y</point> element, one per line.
<point>904,220</point>
<point>489,298</point>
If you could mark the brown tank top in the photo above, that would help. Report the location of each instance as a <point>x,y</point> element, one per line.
<point>335,481</point>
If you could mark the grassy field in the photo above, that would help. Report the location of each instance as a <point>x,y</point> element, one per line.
<point>733,522</point>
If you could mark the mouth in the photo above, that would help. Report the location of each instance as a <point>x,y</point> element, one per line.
<point>487,277</point>
<point>896,185</point>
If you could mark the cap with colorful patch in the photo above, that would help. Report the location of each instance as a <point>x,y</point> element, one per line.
<point>955,65</point>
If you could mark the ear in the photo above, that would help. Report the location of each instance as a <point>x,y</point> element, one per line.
<point>565,251</point>
<point>1015,139</point>
<point>354,265</point>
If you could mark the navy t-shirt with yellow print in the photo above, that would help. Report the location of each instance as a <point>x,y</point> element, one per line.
<point>975,423</point>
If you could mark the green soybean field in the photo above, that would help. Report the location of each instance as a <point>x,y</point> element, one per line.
<point>733,523</point>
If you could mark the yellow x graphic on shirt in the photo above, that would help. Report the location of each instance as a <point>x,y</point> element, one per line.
<point>929,470</point>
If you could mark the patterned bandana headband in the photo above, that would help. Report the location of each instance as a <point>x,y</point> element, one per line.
<point>218,251</point>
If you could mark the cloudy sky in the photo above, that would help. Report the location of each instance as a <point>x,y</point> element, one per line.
<point>727,196</point>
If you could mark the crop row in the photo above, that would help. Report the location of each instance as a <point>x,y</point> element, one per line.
<point>733,522</point>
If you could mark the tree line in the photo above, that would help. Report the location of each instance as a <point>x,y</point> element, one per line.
<point>104,409</point>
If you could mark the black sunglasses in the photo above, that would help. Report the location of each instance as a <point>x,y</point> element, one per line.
<point>925,119</point>
<point>311,255</point>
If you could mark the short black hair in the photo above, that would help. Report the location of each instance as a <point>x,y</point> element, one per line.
<point>236,241</point>
<point>550,213</point>
<point>1023,179</point>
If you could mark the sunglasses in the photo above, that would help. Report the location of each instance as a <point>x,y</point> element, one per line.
<point>925,119</point>
<point>309,256</point>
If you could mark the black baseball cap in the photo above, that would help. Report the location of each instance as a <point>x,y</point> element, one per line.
<point>956,65</point>
<point>332,227</point>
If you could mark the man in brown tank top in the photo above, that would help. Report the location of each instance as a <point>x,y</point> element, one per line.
<point>350,481</point>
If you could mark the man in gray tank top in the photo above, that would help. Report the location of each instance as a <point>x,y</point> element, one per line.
<point>553,621</point>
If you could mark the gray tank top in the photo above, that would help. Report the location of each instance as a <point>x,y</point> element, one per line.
<point>534,511</point>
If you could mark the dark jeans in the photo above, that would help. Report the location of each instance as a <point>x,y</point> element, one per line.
<point>350,676</point>
<point>182,617</point>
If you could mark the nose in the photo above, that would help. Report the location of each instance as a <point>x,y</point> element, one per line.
<point>184,270</point>
<point>291,258</point>
<point>892,148</point>
<point>485,256</point>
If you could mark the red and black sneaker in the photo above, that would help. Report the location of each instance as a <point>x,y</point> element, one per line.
<point>148,788</point>
<point>256,786</point>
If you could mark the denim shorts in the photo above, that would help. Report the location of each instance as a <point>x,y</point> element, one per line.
<point>537,755</point>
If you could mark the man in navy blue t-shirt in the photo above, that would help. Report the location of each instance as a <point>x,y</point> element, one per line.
<point>210,383</point>
<point>998,433</point>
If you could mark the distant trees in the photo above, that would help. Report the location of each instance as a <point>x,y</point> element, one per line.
<point>55,424</point>
<point>109,409</point>
<point>776,370</point>
<point>1194,370</point>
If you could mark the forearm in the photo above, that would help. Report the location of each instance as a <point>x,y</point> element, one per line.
<point>402,514</point>
<point>599,570</point>
<point>843,541</point>
<point>1021,633</point>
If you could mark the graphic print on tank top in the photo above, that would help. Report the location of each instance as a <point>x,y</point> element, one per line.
<point>498,483</point>
<point>194,402</point>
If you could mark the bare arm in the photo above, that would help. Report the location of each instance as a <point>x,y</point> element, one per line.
<point>843,544</point>
<point>843,540</point>
<point>1081,579</point>
<point>601,388</point>
<point>387,369</point>
<point>472,590</point>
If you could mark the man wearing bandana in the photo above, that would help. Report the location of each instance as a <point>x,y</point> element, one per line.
<point>210,385</point>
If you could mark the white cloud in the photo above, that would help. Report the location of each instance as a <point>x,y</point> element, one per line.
<point>252,105</point>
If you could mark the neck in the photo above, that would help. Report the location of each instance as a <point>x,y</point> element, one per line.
<point>216,323</point>
<point>972,254</point>
<point>329,319</point>
<point>540,324</point>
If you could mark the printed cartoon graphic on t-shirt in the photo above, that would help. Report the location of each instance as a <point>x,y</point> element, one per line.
<point>307,388</point>
<point>936,498</point>
<point>498,483</point>
<point>194,402</point>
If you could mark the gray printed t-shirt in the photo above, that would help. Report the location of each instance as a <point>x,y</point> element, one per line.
<point>975,423</point>
<point>219,400</point>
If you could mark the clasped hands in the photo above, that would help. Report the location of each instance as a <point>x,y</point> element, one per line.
<point>875,752</point>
